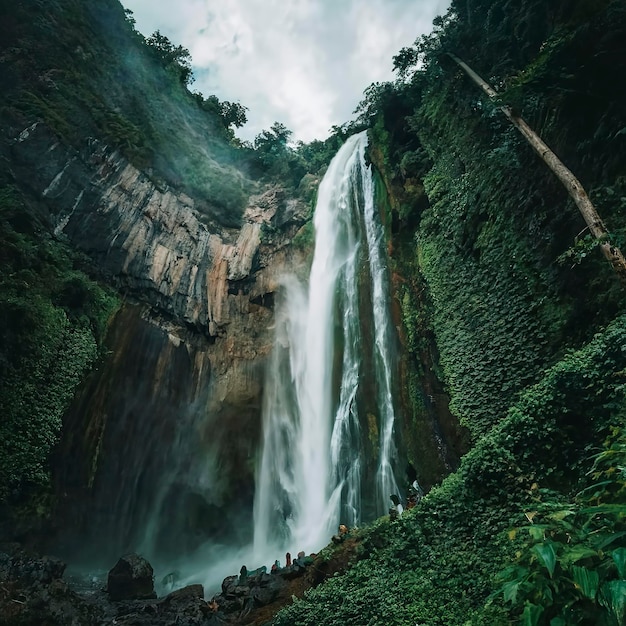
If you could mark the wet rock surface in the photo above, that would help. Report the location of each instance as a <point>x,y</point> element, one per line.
<point>132,578</point>
<point>152,239</point>
<point>32,591</point>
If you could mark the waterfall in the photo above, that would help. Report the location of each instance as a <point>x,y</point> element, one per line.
<point>328,417</point>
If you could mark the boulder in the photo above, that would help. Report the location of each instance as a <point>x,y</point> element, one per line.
<point>132,578</point>
<point>264,595</point>
<point>32,591</point>
<point>186,593</point>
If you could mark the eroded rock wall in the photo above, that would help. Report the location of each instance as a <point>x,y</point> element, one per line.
<point>161,442</point>
<point>151,240</point>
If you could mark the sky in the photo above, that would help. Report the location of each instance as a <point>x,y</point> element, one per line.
<point>304,63</point>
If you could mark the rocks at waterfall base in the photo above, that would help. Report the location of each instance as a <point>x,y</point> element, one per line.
<point>132,578</point>
<point>33,591</point>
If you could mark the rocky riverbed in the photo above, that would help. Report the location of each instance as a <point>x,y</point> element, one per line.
<point>34,589</point>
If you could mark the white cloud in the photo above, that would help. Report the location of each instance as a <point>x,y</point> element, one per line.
<point>304,63</point>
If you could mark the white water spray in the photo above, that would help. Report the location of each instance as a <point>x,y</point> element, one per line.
<point>327,418</point>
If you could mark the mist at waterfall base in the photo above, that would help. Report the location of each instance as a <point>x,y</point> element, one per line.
<point>327,446</point>
<point>328,451</point>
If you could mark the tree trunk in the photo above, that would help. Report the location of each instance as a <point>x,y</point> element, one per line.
<point>572,184</point>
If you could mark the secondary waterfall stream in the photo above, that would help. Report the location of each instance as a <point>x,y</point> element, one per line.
<point>328,425</point>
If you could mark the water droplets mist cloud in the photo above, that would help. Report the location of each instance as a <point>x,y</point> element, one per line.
<point>304,63</point>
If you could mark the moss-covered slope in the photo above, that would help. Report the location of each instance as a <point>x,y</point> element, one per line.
<point>53,319</point>
<point>438,564</point>
<point>82,69</point>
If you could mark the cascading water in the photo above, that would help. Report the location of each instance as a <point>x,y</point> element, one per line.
<point>328,451</point>
<point>328,442</point>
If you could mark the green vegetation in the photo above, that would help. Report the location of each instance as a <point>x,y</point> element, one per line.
<point>496,235</point>
<point>572,567</point>
<point>274,159</point>
<point>502,297</point>
<point>53,318</point>
<point>174,58</point>
<point>82,68</point>
<point>521,318</point>
<point>439,563</point>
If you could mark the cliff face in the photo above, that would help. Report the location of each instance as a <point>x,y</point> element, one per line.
<point>170,421</point>
<point>107,152</point>
<point>159,446</point>
<point>151,240</point>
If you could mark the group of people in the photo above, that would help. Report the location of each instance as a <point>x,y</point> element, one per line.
<point>301,561</point>
<point>414,495</point>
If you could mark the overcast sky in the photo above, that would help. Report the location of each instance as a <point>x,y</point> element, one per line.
<point>304,63</point>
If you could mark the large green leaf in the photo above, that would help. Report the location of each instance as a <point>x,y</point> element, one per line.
<point>547,556</point>
<point>619,556</point>
<point>607,541</point>
<point>537,531</point>
<point>577,553</point>
<point>510,590</point>
<point>561,515</point>
<point>531,614</point>
<point>613,597</point>
<point>586,580</point>
<point>608,508</point>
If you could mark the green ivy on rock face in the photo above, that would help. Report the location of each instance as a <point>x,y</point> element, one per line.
<point>441,559</point>
<point>492,240</point>
<point>53,318</point>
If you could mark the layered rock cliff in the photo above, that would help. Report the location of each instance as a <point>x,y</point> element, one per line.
<point>160,422</point>
<point>107,153</point>
<point>152,240</point>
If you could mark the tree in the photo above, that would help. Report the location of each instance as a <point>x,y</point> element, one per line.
<point>273,141</point>
<point>233,114</point>
<point>406,59</point>
<point>375,98</point>
<point>318,154</point>
<point>172,57</point>
<point>130,18</point>
<point>228,113</point>
<point>274,155</point>
<point>575,189</point>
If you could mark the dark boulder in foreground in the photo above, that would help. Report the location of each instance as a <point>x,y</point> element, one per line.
<point>132,578</point>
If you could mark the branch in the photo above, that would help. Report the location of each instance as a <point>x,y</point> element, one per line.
<point>574,187</point>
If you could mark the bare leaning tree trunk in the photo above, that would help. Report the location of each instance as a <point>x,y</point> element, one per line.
<point>572,184</point>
